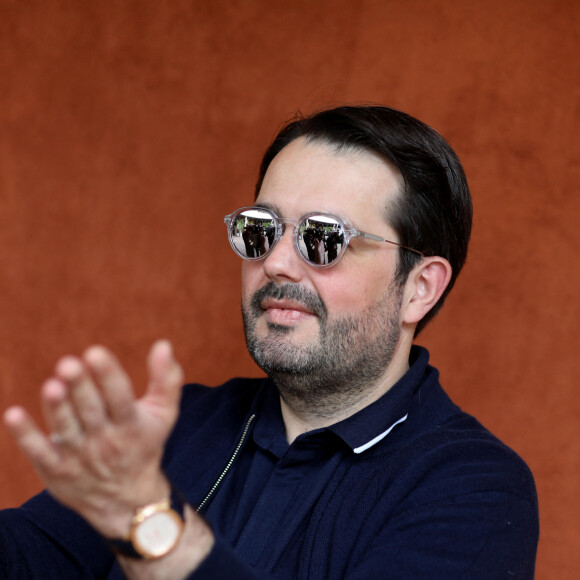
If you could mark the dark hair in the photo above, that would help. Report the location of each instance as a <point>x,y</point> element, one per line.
<point>433,213</point>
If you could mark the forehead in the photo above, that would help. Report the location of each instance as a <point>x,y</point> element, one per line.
<point>307,176</point>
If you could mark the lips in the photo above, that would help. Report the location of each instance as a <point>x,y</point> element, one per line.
<point>284,304</point>
<point>280,311</point>
<point>287,303</point>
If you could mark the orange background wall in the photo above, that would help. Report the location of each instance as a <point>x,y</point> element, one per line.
<point>128,129</point>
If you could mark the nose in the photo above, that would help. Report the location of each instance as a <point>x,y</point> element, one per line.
<point>283,264</point>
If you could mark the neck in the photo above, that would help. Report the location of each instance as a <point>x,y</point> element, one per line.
<point>302,413</point>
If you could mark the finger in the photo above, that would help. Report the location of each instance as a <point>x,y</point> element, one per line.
<point>59,413</point>
<point>166,376</point>
<point>30,438</point>
<point>84,394</point>
<point>115,385</point>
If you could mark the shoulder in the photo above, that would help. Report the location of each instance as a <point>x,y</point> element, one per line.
<point>442,451</point>
<point>229,402</point>
<point>469,497</point>
<point>457,457</point>
<point>205,410</point>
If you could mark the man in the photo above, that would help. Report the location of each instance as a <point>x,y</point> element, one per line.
<point>248,237</point>
<point>349,461</point>
<point>332,244</point>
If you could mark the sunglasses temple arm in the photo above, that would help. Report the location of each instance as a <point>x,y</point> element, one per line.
<point>360,234</point>
<point>379,239</point>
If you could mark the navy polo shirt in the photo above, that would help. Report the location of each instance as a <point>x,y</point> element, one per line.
<point>273,484</point>
<point>408,487</point>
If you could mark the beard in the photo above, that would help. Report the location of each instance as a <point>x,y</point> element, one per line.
<point>332,372</point>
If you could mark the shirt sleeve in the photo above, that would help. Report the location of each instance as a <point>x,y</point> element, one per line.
<point>477,536</point>
<point>43,539</point>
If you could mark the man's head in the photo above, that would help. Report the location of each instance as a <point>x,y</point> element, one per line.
<point>433,211</point>
<point>323,325</point>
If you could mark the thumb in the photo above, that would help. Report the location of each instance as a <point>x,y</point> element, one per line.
<point>166,376</point>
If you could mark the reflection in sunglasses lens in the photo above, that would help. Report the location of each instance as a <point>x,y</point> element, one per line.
<point>252,233</point>
<point>321,239</point>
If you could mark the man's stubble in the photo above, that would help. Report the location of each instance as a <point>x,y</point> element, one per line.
<point>331,373</point>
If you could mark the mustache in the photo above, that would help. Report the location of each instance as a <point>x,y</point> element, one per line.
<point>291,291</point>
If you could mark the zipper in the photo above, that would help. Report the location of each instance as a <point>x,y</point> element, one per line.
<point>229,464</point>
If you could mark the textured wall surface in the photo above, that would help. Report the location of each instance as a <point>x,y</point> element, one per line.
<point>128,129</point>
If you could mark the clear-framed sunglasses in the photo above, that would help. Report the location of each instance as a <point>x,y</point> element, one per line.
<point>320,238</point>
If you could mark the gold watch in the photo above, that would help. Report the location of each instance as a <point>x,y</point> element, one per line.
<point>155,530</point>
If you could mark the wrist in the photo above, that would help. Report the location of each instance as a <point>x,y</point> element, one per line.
<point>195,545</point>
<point>112,516</point>
<point>154,530</point>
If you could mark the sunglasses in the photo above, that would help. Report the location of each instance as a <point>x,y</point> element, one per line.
<point>321,239</point>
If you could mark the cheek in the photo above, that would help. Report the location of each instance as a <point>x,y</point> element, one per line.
<point>342,298</point>
<point>340,294</point>
<point>353,293</point>
<point>251,279</point>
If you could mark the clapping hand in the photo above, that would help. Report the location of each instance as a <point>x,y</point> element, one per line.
<point>102,455</point>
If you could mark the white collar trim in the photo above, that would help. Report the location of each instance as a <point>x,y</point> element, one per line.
<point>379,437</point>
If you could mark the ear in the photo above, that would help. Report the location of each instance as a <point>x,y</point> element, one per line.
<point>425,284</point>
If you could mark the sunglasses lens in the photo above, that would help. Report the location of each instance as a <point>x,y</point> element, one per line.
<point>252,232</point>
<point>321,239</point>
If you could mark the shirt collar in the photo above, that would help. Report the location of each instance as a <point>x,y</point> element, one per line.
<point>370,425</point>
<point>360,431</point>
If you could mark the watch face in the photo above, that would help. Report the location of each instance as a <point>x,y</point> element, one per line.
<point>158,534</point>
